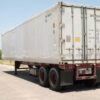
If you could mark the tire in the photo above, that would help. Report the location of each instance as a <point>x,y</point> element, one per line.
<point>54,79</point>
<point>43,76</point>
<point>90,83</point>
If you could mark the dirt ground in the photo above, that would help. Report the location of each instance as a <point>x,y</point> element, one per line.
<point>25,87</point>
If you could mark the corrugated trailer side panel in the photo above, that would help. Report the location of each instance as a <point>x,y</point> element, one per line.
<point>7,50</point>
<point>12,44</point>
<point>41,37</point>
<point>37,40</point>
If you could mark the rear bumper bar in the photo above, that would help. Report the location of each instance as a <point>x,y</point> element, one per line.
<point>86,77</point>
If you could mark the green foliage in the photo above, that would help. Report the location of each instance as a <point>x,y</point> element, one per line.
<point>0,54</point>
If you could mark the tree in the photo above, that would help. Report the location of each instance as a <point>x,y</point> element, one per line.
<point>0,54</point>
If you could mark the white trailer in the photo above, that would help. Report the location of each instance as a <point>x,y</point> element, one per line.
<point>63,41</point>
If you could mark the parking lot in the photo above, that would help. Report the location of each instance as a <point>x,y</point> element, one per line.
<point>26,87</point>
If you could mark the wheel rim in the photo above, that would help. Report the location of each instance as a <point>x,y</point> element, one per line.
<point>53,77</point>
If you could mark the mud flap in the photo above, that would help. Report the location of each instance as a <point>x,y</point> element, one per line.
<point>66,78</point>
<point>98,75</point>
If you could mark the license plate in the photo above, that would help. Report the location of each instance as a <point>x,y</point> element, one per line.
<point>86,71</point>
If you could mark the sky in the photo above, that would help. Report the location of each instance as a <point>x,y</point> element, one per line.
<point>15,12</point>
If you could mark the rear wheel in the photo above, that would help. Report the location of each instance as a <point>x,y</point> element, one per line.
<point>54,79</point>
<point>43,76</point>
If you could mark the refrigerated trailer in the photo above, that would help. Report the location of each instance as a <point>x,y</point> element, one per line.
<point>61,45</point>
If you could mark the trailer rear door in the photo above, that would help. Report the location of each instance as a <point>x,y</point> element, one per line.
<point>72,33</point>
<point>92,46</point>
<point>80,34</point>
<point>97,34</point>
<point>90,34</point>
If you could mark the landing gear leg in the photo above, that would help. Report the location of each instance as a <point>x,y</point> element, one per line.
<point>17,65</point>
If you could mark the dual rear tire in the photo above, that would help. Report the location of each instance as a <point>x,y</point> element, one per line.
<point>50,77</point>
<point>54,79</point>
<point>43,76</point>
